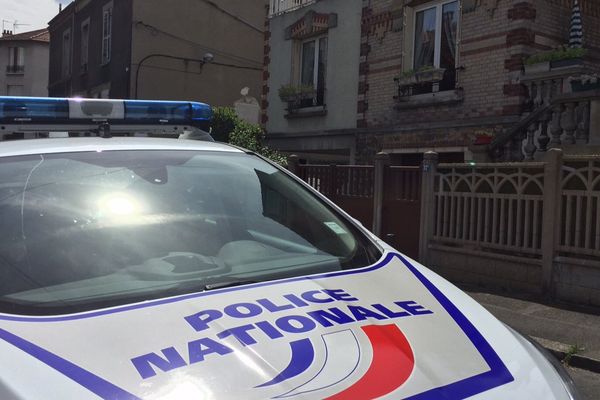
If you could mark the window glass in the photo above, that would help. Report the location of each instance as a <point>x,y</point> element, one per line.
<point>308,63</point>
<point>85,37</point>
<point>425,38</point>
<point>448,46</point>
<point>322,73</point>
<point>106,35</point>
<point>82,231</point>
<point>16,60</point>
<point>66,53</point>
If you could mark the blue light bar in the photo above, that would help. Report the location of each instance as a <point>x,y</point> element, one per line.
<point>37,110</point>
<point>41,110</point>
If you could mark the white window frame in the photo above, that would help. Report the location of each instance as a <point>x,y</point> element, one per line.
<point>439,6</point>
<point>107,16</point>
<point>84,58</point>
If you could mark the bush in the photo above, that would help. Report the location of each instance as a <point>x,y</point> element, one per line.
<point>223,123</point>
<point>227,127</point>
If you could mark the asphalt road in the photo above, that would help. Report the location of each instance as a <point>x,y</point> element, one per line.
<point>587,382</point>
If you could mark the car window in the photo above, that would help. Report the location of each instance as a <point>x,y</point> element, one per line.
<point>87,230</point>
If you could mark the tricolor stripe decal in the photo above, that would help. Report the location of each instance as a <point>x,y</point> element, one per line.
<point>392,364</point>
<point>303,354</point>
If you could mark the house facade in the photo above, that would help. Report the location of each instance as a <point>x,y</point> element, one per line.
<point>427,75</point>
<point>24,63</point>
<point>146,49</point>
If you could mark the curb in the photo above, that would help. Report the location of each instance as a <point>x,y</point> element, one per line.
<point>561,351</point>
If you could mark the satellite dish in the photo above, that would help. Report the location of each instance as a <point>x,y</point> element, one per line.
<point>245,91</point>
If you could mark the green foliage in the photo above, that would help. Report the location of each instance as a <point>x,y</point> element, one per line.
<point>287,92</point>
<point>247,136</point>
<point>572,351</point>
<point>407,74</point>
<point>412,72</point>
<point>223,123</point>
<point>562,53</point>
<point>426,68</point>
<point>228,128</point>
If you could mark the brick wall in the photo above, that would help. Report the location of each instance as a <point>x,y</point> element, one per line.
<point>495,38</point>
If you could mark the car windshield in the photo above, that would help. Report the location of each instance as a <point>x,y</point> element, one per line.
<point>88,230</point>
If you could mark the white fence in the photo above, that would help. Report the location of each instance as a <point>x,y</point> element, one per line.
<point>531,226</point>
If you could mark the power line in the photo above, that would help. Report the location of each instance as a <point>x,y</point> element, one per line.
<point>200,73</point>
<point>155,31</point>
<point>237,18</point>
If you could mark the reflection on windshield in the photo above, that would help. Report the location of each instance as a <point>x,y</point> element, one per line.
<point>87,230</point>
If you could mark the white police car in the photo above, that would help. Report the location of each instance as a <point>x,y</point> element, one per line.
<point>165,269</point>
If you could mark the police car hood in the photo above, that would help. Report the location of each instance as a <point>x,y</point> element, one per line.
<point>391,330</point>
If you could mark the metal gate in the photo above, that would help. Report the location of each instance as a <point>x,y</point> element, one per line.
<point>352,187</point>
<point>402,209</point>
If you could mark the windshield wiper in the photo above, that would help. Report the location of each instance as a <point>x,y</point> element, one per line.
<point>228,284</point>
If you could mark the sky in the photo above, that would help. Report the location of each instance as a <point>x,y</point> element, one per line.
<point>35,13</point>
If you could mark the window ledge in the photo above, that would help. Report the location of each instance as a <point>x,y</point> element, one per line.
<point>430,99</point>
<point>307,112</point>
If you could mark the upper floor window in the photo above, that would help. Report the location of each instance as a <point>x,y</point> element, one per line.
<point>85,44</point>
<point>106,33</point>
<point>314,69</point>
<point>435,39</point>
<point>16,60</point>
<point>66,53</point>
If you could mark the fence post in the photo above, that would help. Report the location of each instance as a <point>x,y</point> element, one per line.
<point>293,162</point>
<point>332,193</point>
<point>382,160</point>
<point>550,220</point>
<point>430,162</point>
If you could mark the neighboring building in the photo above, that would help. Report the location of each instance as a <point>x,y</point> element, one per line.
<point>24,63</point>
<point>472,82</point>
<point>152,49</point>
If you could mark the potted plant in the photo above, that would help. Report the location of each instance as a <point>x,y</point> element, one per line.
<point>429,74</point>
<point>558,58</point>
<point>288,93</point>
<point>295,96</point>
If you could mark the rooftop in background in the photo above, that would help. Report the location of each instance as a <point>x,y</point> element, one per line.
<point>39,35</point>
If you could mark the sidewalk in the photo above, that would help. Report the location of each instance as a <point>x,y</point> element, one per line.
<point>555,327</point>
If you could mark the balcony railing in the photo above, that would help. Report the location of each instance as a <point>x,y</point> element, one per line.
<point>15,69</point>
<point>282,6</point>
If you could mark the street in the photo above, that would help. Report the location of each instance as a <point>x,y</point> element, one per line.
<point>587,382</point>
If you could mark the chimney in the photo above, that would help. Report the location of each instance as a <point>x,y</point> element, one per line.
<point>59,7</point>
<point>6,32</point>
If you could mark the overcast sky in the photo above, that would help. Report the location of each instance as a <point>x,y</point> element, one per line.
<point>35,13</point>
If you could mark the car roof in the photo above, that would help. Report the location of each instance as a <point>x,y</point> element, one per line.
<point>77,145</point>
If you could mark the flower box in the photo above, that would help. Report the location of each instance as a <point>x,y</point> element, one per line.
<point>430,75</point>
<point>537,68</point>
<point>406,80</point>
<point>566,63</point>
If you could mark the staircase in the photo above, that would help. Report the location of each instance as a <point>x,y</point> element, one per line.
<point>557,118</point>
